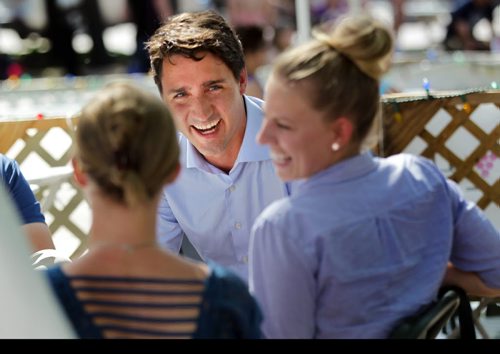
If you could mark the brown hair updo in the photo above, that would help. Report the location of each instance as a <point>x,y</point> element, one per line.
<point>126,142</point>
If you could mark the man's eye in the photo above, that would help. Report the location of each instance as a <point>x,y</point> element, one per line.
<point>179,95</point>
<point>214,87</point>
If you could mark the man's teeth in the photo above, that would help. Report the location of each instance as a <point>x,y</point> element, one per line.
<point>206,126</point>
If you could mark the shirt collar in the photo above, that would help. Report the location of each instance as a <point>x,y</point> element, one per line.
<point>349,169</point>
<point>250,150</point>
<point>193,158</point>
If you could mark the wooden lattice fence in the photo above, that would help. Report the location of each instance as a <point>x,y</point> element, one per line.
<point>27,139</point>
<point>444,123</point>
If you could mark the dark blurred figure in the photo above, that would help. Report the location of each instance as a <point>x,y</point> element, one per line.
<point>4,64</point>
<point>147,16</point>
<point>60,33</point>
<point>459,34</point>
<point>255,51</point>
<point>63,21</point>
<point>94,25</point>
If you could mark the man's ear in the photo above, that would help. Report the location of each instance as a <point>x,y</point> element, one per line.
<point>80,177</point>
<point>173,175</point>
<point>243,80</point>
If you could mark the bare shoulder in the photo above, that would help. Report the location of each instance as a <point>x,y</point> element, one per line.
<point>196,269</point>
<point>142,264</point>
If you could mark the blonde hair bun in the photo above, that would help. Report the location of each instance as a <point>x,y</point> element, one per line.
<point>364,40</point>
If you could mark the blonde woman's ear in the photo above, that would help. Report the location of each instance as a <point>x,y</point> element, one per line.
<point>342,130</point>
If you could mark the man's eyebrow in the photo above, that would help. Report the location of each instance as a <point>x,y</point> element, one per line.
<point>177,90</point>
<point>205,84</point>
<point>213,82</point>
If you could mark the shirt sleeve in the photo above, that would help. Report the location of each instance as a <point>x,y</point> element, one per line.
<point>476,241</point>
<point>20,191</point>
<point>168,231</point>
<point>282,281</point>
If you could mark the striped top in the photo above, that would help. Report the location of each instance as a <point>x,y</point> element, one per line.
<point>152,308</point>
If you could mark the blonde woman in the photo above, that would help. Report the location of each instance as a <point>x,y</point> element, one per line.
<point>363,241</point>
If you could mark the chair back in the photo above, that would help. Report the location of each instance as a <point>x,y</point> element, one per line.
<point>429,322</point>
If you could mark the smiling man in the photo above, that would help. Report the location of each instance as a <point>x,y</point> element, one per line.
<point>227,179</point>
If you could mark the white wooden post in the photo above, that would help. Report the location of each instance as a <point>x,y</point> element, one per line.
<point>303,16</point>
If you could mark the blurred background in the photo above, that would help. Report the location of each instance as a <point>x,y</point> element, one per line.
<point>43,38</point>
<point>55,55</point>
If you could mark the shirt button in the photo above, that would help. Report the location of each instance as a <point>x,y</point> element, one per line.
<point>232,188</point>
<point>237,226</point>
<point>245,259</point>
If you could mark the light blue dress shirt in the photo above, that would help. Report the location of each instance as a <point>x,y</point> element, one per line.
<point>363,244</point>
<point>214,209</point>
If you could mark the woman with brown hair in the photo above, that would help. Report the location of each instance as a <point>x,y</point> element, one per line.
<point>126,286</point>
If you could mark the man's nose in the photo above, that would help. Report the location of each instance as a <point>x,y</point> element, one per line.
<point>201,108</point>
